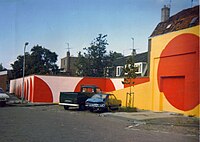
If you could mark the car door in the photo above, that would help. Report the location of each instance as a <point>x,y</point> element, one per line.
<point>113,101</point>
<point>110,100</point>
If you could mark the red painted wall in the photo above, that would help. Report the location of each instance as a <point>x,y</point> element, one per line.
<point>105,84</point>
<point>42,92</point>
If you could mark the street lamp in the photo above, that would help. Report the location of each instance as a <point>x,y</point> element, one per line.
<point>26,43</point>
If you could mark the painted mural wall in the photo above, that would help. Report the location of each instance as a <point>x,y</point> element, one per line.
<point>47,88</point>
<point>173,83</point>
<point>175,71</point>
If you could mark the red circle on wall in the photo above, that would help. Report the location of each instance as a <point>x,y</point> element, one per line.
<point>178,72</point>
<point>105,84</point>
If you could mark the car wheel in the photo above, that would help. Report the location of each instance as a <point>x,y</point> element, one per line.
<point>81,107</point>
<point>91,109</point>
<point>66,107</point>
<point>2,104</point>
<point>107,109</point>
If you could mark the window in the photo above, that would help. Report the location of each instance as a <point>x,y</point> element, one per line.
<point>192,23</point>
<point>168,26</point>
<point>119,70</point>
<point>138,67</point>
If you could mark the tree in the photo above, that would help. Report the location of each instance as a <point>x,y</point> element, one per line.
<point>40,61</point>
<point>82,65</point>
<point>1,67</point>
<point>129,74</point>
<point>93,62</point>
<point>110,69</point>
<point>44,61</point>
<point>17,66</point>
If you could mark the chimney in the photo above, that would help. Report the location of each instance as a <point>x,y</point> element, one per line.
<point>68,54</point>
<point>165,13</point>
<point>68,61</point>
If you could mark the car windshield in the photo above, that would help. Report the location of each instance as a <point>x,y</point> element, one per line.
<point>100,96</point>
<point>1,90</point>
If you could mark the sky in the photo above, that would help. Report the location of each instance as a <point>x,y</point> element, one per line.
<point>55,23</point>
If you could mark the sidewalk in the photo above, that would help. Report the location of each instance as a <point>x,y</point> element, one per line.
<point>162,122</point>
<point>143,115</point>
<point>155,118</point>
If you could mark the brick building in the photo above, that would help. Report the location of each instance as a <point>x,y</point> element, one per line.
<point>5,77</point>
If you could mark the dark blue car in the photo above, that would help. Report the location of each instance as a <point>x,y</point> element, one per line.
<point>102,102</point>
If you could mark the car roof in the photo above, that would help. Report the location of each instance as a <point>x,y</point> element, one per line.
<point>1,90</point>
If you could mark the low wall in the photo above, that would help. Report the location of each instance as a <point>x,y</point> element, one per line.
<point>39,88</point>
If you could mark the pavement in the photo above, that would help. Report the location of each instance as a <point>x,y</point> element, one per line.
<point>159,122</point>
<point>142,115</point>
<point>137,118</point>
<point>15,101</point>
<point>156,118</point>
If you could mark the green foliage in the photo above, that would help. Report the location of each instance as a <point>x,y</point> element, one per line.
<point>82,65</point>
<point>93,62</point>
<point>129,71</point>
<point>1,67</point>
<point>17,66</point>
<point>129,75</point>
<point>110,69</point>
<point>40,61</point>
<point>44,61</point>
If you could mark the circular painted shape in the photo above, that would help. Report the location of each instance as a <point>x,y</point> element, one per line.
<point>178,72</point>
<point>104,84</point>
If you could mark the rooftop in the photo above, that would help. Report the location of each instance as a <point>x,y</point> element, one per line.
<point>182,20</point>
<point>142,57</point>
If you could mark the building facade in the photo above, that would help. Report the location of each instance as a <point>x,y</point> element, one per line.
<point>5,77</point>
<point>68,65</point>
<point>141,65</point>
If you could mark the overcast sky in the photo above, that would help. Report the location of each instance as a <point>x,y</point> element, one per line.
<point>54,23</point>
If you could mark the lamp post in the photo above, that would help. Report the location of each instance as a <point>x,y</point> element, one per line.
<point>26,43</point>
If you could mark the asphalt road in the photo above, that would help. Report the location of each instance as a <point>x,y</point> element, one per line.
<point>53,123</point>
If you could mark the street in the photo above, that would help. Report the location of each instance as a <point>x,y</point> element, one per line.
<point>53,123</point>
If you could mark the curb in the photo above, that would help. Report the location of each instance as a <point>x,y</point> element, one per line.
<point>30,104</point>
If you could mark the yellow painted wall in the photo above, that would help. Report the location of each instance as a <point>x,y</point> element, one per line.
<point>158,43</point>
<point>147,95</point>
<point>141,96</point>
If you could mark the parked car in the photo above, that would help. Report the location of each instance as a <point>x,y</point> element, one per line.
<point>77,99</point>
<point>3,97</point>
<point>103,102</point>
